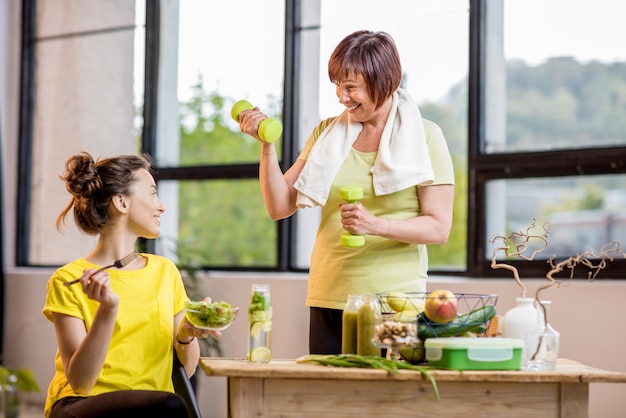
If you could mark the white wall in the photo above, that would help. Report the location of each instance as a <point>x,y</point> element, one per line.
<point>589,317</point>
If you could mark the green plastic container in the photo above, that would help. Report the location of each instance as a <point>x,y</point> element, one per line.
<point>467,353</point>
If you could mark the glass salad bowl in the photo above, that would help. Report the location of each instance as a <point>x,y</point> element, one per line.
<point>214,316</point>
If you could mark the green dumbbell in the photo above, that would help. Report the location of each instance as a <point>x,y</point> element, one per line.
<point>270,129</point>
<point>351,194</point>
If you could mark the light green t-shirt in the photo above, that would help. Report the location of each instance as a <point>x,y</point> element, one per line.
<point>382,265</point>
<point>141,348</point>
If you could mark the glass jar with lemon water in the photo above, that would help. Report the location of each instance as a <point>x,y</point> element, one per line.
<point>260,324</point>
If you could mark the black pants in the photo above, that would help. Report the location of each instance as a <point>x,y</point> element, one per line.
<point>122,404</point>
<point>325,331</point>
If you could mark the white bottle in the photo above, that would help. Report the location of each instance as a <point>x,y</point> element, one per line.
<point>519,322</point>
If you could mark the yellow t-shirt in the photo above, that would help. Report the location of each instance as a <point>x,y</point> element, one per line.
<point>141,348</point>
<point>382,265</point>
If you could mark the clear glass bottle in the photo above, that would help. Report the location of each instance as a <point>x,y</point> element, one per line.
<point>260,324</point>
<point>349,324</point>
<point>11,400</point>
<point>543,346</point>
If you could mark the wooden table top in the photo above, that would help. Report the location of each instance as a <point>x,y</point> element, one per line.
<point>567,371</point>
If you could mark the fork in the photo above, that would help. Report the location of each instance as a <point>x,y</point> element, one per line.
<point>124,261</point>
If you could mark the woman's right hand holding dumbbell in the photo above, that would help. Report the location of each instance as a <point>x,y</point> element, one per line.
<point>255,123</point>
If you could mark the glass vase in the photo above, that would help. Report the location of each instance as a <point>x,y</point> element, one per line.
<point>543,342</point>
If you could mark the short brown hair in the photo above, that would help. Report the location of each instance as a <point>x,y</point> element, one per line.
<point>93,184</point>
<point>374,56</point>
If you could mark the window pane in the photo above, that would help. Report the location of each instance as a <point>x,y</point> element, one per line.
<point>219,223</point>
<point>582,213</point>
<point>83,101</point>
<point>432,38</point>
<point>555,86</point>
<point>226,52</point>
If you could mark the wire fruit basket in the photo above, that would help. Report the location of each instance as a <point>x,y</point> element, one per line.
<point>473,314</point>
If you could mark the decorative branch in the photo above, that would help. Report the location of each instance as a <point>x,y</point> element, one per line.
<point>607,253</point>
<point>592,260</point>
<point>519,241</point>
<point>595,261</point>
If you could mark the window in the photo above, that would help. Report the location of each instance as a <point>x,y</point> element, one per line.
<point>531,103</point>
<point>548,139</point>
<point>212,54</point>
<point>77,89</point>
<point>210,168</point>
<point>432,38</point>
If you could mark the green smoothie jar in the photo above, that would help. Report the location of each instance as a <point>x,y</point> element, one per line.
<point>349,324</point>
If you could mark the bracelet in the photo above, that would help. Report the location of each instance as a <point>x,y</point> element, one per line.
<point>272,150</point>
<point>182,343</point>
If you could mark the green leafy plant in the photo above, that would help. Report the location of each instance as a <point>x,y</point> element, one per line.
<point>23,379</point>
<point>14,381</point>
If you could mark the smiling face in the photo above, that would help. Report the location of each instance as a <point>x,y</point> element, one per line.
<point>372,55</point>
<point>353,94</point>
<point>145,206</point>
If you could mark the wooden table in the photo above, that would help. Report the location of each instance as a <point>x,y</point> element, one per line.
<point>286,389</point>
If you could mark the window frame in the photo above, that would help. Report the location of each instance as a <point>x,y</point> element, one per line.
<point>485,167</point>
<point>25,146</point>
<point>482,167</point>
<point>286,227</point>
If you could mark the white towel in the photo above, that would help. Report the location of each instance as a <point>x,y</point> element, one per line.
<point>402,161</point>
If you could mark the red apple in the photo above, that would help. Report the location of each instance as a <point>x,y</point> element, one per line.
<point>441,306</point>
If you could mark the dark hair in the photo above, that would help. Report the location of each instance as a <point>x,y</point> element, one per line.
<point>374,56</point>
<point>92,184</point>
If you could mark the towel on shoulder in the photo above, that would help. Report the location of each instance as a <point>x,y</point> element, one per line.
<point>402,161</point>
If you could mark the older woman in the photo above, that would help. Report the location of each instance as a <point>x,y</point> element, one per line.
<point>382,144</point>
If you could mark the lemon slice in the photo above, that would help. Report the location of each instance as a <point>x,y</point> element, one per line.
<point>260,355</point>
<point>256,329</point>
<point>259,316</point>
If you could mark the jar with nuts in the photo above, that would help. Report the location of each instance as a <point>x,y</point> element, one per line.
<point>392,335</point>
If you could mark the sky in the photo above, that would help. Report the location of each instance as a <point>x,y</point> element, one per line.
<point>587,30</point>
<point>246,36</point>
<point>251,44</point>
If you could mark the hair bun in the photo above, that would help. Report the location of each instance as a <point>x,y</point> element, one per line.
<point>81,176</point>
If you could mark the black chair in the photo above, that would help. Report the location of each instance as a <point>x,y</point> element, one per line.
<point>184,388</point>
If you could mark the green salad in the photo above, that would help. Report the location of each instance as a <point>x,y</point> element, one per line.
<point>213,315</point>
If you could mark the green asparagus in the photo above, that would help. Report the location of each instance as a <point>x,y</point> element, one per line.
<point>372,362</point>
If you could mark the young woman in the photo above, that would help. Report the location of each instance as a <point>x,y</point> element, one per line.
<point>118,325</point>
